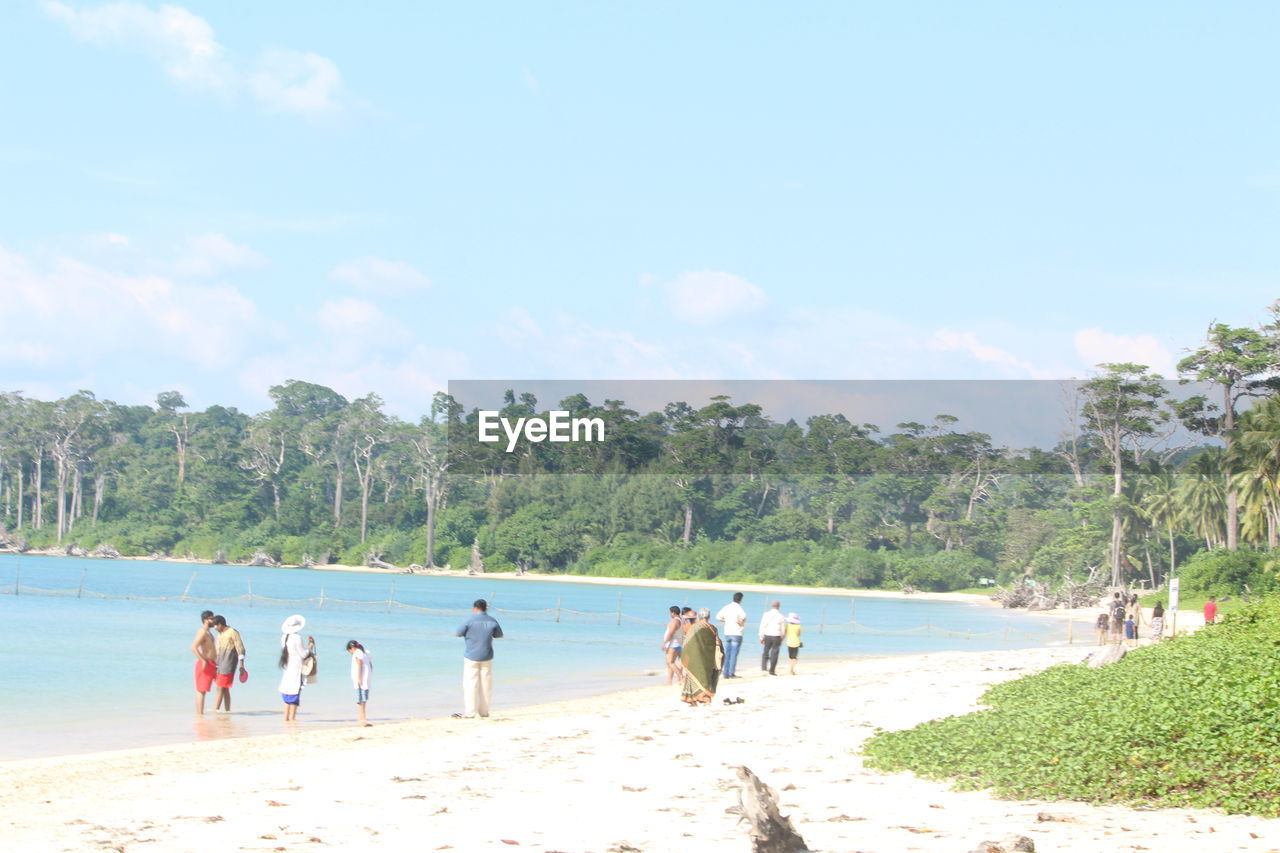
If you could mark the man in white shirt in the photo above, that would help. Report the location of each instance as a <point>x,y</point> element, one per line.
<point>772,626</point>
<point>735,620</point>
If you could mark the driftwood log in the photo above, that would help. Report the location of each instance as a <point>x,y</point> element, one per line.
<point>262,558</point>
<point>1110,654</point>
<point>1068,593</point>
<point>1011,844</point>
<point>771,832</point>
<point>374,561</point>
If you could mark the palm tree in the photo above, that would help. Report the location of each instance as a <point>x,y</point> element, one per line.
<point>1202,497</point>
<point>1255,457</point>
<point>1159,504</point>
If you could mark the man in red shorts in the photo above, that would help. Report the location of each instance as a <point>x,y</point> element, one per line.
<point>230,651</point>
<point>204,648</point>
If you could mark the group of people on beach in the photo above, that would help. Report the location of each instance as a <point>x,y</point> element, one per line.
<point>219,652</point>
<point>698,656</point>
<point>1123,619</point>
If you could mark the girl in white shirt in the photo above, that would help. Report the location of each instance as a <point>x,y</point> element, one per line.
<point>361,672</point>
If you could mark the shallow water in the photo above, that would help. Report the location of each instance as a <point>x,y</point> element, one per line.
<point>83,672</point>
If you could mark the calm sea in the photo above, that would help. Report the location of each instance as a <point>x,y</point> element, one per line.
<point>104,662</point>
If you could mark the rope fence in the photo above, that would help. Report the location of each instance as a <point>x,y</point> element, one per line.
<point>557,614</point>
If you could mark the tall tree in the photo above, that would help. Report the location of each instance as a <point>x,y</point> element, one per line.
<point>368,427</point>
<point>1121,410</point>
<point>1235,360</point>
<point>68,420</point>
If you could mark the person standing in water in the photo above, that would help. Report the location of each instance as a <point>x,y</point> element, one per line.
<point>361,672</point>
<point>205,648</point>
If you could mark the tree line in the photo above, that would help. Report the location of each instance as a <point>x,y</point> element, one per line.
<point>1143,479</point>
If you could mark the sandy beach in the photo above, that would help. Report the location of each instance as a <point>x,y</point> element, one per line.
<point>631,771</point>
<point>534,576</point>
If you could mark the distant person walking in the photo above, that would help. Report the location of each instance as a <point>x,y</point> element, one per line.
<point>1117,618</point>
<point>1157,623</point>
<point>1210,611</point>
<point>1103,624</point>
<point>205,648</point>
<point>672,641</point>
<point>793,641</point>
<point>772,626</point>
<point>229,652</point>
<point>701,658</point>
<point>292,658</point>
<point>479,632</point>
<point>1132,620</point>
<point>361,673</point>
<point>735,622</point>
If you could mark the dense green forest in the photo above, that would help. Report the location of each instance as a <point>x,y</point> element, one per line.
<point>1144,480</point>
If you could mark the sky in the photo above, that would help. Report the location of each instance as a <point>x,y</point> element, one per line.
<point>216,197</point>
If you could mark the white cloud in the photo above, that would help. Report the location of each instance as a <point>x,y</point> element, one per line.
<point>356,318</point>
<point>376,275</point>
<point>946,340</point>
<point>1098,347</point>
<point>290,81</point>
<point>107,315</point>
<point>708,297</point>
<point>207,255</point>
<point>362,350</point>
<point>187,50</point>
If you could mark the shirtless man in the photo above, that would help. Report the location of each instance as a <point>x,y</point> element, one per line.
<point>204,648</point>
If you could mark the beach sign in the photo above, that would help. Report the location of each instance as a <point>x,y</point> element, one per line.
<point>1173,593</point>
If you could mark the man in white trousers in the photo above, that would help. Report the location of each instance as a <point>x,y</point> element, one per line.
<point>479,632</point>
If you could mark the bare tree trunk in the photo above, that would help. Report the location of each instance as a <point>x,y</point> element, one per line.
<point>1233,497</point>
<point>37,508</point>
<point>431,531</point>
<point>337,498</point>
<point>1117,522</point>
<point>764,497</point>
<point>364,514</point>
<point>99,489</point>
<point>20,473</point>
<point>687,536</point>
<point>77,497</point>
<point>275,498</point>
<point>61,515</point>
<point>181,439</point>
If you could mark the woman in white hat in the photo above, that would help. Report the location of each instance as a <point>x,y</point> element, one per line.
<point>292,655</point>
<point>793,640</point>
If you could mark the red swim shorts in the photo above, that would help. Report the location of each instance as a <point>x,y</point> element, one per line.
<point>205,671</point>
<point>224,680</point>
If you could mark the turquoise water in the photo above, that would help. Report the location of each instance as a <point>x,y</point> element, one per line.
<point>83,672</point>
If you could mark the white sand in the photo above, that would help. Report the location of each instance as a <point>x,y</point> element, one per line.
<point>629,771</point>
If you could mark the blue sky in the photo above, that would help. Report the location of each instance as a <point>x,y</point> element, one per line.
<point>217,197</point>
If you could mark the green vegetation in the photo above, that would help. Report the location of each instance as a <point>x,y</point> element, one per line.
<point>1191,722</point>
<point>718,492</point>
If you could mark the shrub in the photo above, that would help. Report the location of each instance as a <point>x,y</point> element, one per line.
<point>1124,732</point>
<point>1223,572</point>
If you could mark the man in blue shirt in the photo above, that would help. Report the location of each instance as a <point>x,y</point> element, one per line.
<point>479,632</point>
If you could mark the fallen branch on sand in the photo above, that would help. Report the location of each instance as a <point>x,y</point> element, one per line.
<point>771,832</point>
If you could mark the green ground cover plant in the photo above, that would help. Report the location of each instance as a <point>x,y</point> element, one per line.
<point>1190,722</point>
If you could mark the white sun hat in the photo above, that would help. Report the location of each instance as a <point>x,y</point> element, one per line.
<point>293,624</point>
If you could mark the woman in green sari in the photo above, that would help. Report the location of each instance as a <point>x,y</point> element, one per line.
<point>701,658</point>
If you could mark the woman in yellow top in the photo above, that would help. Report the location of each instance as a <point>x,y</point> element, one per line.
<point>793,640</point>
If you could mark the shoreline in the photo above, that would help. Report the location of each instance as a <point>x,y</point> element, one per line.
<point>661,583</point>
<point>648,769</point>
